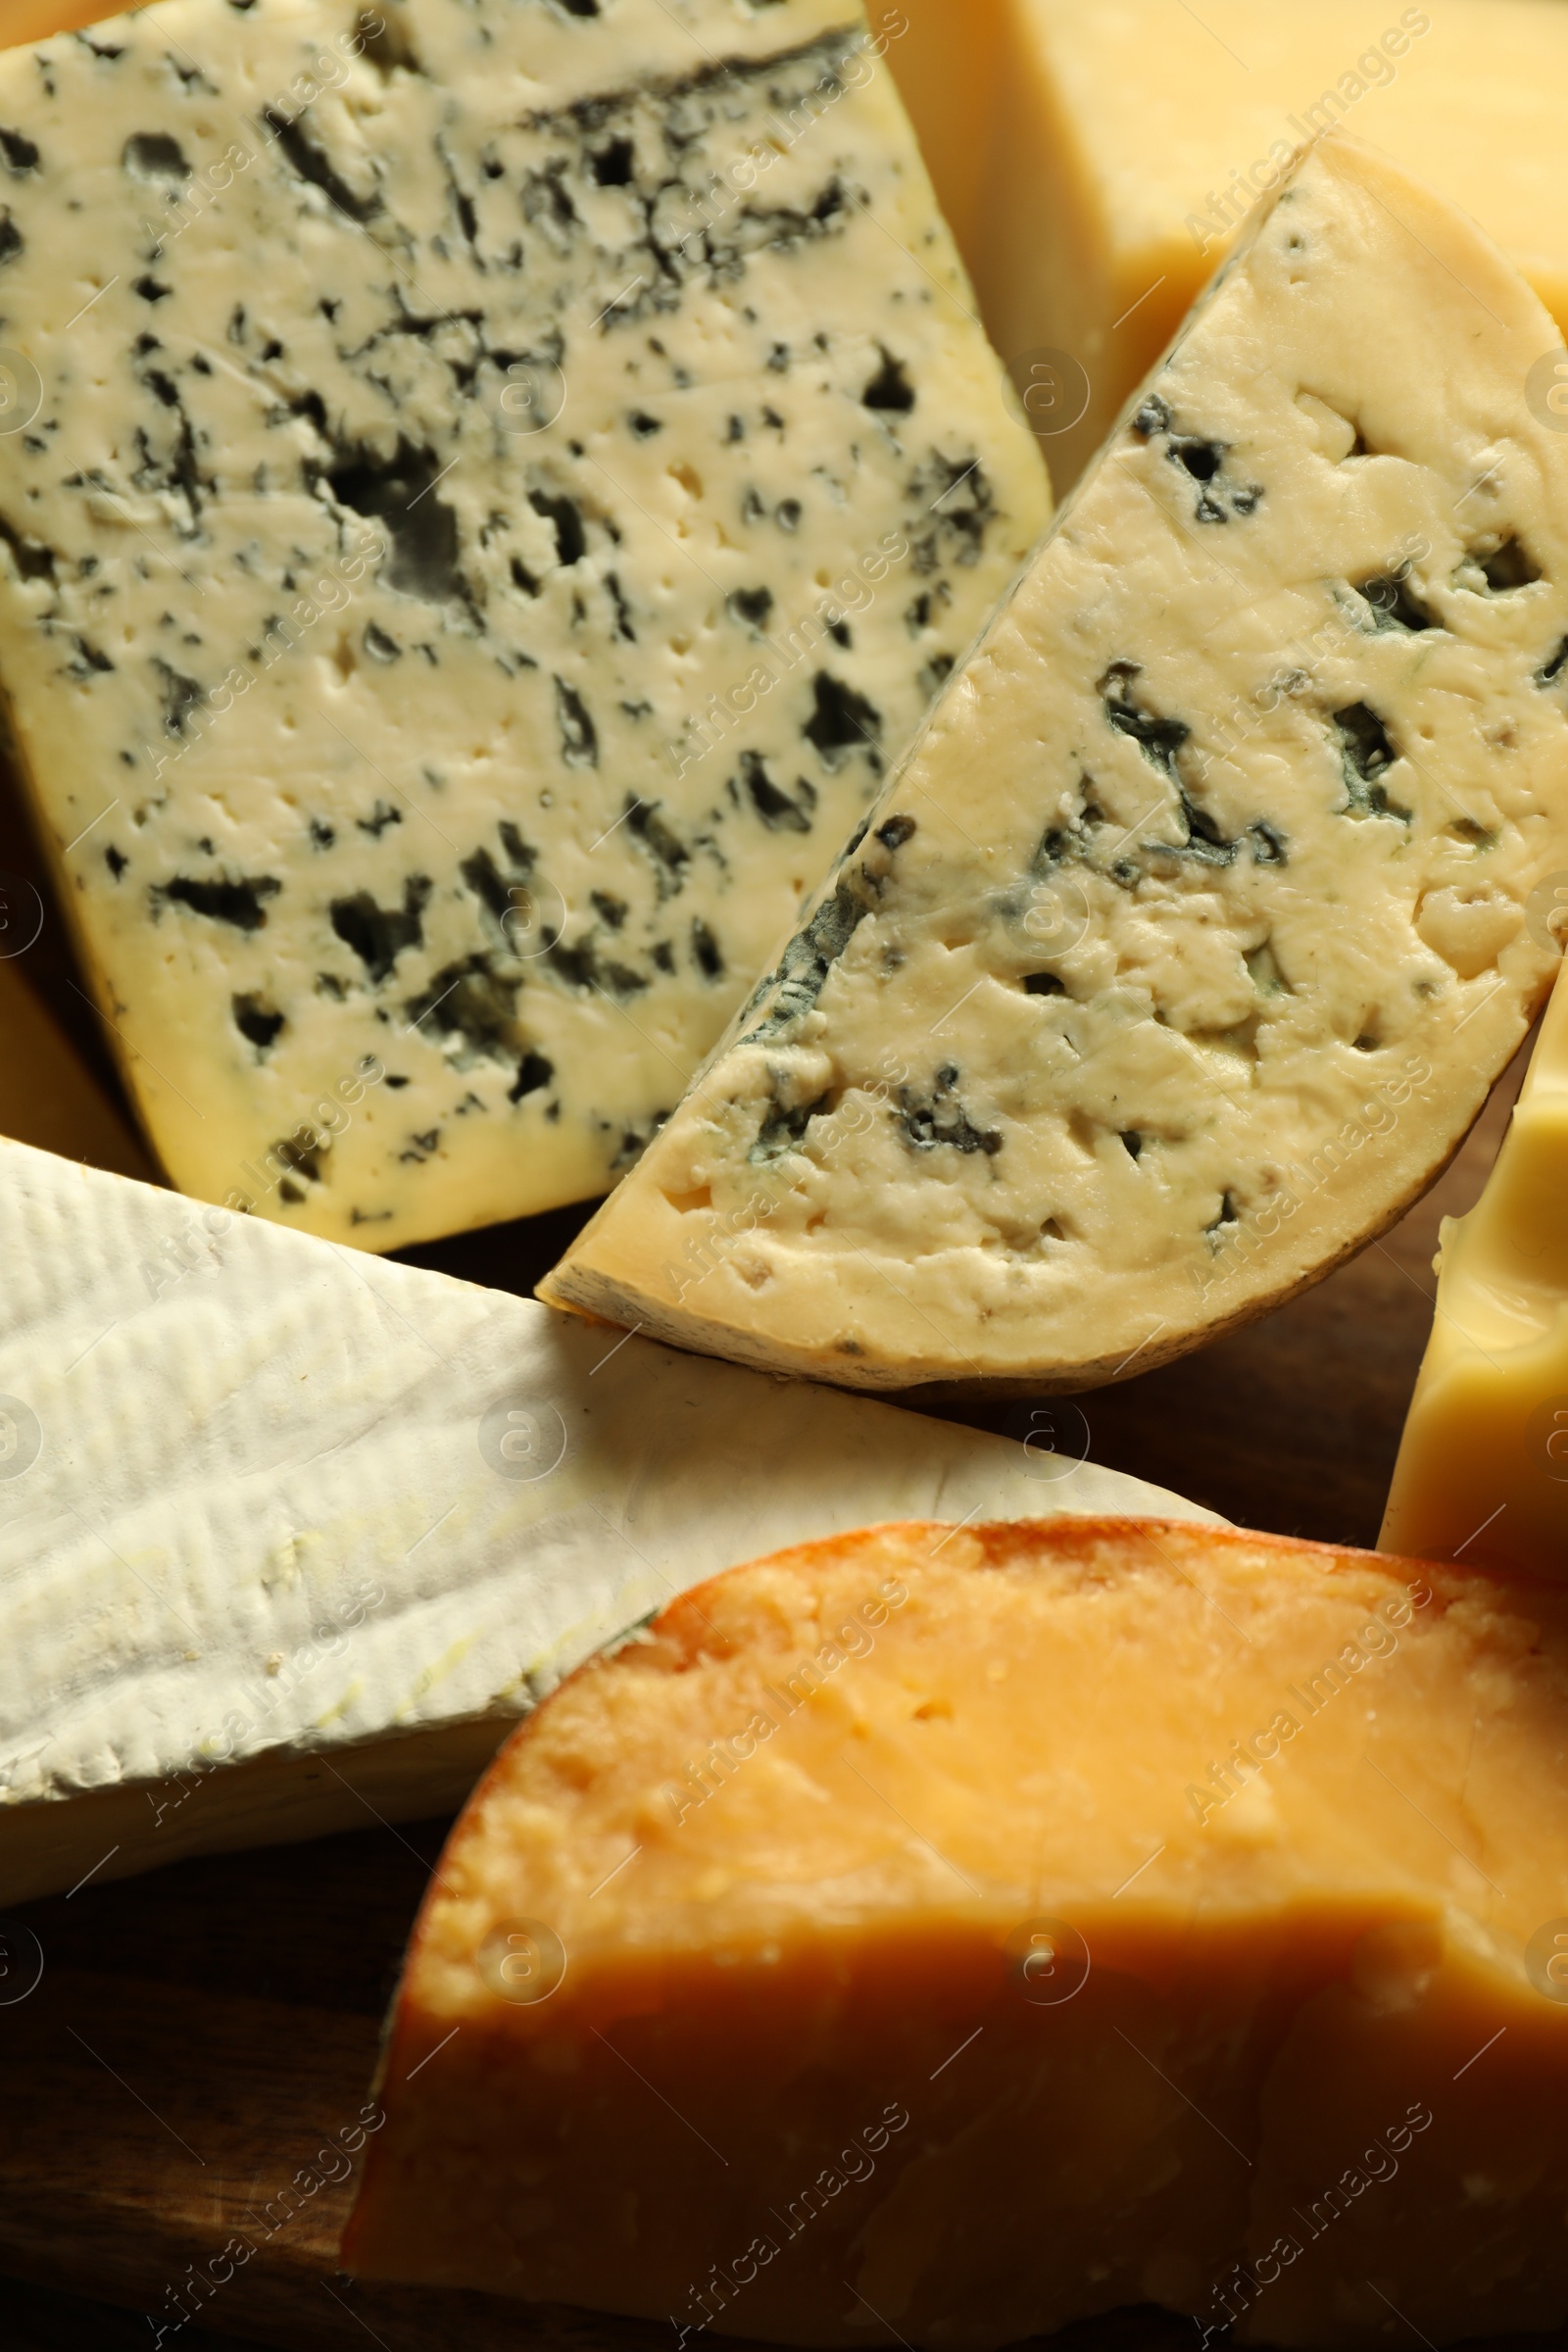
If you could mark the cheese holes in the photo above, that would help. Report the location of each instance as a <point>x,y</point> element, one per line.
<point>841,720</point>
<point>1366,752</point>
<point>890,389</point>
<point>1394,603</point>
<point>1499,569</point>
<point>152,156</point>
<point>566,518</point>
<point>579,738</point>
<point>1157,736</point>
<point>378,935</point>
<point>1263,970</point>
<point>240,901</point>
<point>257,1021</point>
<point>534,1074</point>
<point>779,810</point>
<point>1368,748</point>
<point>1339,437</point>
<point>705,952</point>
<point>750,606</point>
<point>615,166</point>
<point>1202,458</point>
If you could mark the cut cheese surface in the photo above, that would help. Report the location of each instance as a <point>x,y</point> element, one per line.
<point>938,1936</point>
<point>1184,950</point>
<point>1483,1469</point>
<point>287,1534</point>
<point>494,496</point>
<point>1128,142</point>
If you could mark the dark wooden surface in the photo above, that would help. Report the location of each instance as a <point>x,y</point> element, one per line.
<point>199,2034</point>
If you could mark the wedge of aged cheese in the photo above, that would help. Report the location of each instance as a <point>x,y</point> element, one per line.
<point>48,1097</point>
<point>937,1938</point>
<point>1126,142</point>
<point>1185,948</point>
<point>489,489</point>
<point>287,1535</point>
<point>1482,1471</point>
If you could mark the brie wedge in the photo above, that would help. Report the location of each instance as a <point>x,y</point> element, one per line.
<point>289,1537</point>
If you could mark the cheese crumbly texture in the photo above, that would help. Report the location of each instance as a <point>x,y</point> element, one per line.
<point>1186,947</point>
<point>942,1936</point>
<point>490,491</point>
<point>1128,142</point>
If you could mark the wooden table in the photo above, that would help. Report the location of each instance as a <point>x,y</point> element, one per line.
<point>200,2034</point>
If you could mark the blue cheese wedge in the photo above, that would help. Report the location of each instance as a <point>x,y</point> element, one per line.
<point>289,1538</point>
<point>488,490</point>
<point>1184,950</point>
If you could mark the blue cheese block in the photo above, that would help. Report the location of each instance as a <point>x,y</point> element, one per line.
<point>487,490</point>
<point>1183,951</point>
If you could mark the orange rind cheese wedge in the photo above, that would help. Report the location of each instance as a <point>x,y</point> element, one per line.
<point>942,1935</point>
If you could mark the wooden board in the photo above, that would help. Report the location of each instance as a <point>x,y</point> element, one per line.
<point>200,2036</point>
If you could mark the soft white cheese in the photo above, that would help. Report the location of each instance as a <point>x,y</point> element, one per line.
<point>286,1532</point>
<point>487,491</point>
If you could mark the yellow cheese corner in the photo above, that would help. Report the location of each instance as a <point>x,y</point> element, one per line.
<point>1482,1471</point>
<point>1128,142</point>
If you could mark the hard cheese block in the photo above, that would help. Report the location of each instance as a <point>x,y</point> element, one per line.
<point>946,59</point>
<point>1483,1469</point>
<point>289,1538</point>
<point>938,1938</point>
<point>497,492</point>
<point>1184,950</point>
<point>1126,142</point>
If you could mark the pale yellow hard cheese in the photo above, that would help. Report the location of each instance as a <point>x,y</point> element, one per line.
<point>1482,1471</point>
<point>1125,142</point>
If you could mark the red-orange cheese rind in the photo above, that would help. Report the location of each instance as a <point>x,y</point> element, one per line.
<point>1112,1913</point>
